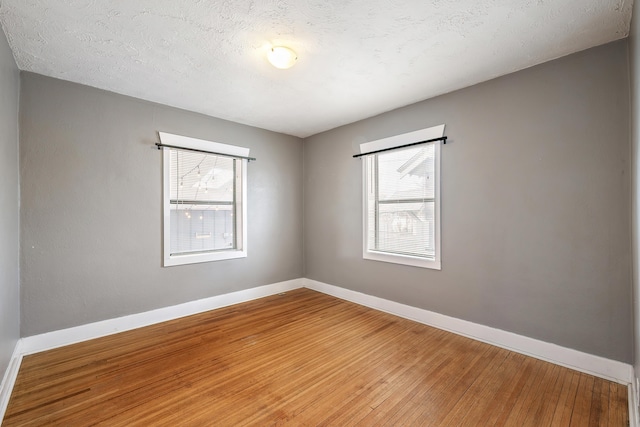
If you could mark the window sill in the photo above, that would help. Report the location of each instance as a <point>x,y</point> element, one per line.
<point>402,259</point>
<point>170,261</point>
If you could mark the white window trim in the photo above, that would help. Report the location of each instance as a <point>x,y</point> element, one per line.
<point>200,144</point>
<point>393,142</point>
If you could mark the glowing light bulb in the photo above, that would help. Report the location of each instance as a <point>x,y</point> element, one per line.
<point>282,57</point>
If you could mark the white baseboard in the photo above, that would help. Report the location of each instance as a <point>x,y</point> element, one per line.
<point>9,379</point>
<point>594,365</point>
<point>574,359</point>
<point>634,416</point>
<point>50,340</point>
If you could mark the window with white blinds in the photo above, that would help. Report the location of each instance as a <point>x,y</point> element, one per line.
<point>401,204</point>
<point>204,207</point>
<point>204,188</point>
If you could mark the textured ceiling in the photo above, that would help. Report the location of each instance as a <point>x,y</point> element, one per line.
<point>357,58</point>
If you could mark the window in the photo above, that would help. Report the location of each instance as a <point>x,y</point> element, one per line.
<point>204,201</point>
<point>402,199</point>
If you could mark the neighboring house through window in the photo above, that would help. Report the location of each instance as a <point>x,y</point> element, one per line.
<point>402,199</point>
<point>204,201</point>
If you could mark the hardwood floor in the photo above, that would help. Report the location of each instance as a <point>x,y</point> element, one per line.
<point>302,358</point>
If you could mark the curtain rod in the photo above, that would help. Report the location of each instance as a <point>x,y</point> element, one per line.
<point>160,146</point>
<point>442,138</point>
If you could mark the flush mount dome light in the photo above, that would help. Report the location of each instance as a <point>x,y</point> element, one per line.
<point>282,57</point>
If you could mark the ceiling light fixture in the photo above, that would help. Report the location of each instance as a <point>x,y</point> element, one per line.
<point>282,57</point>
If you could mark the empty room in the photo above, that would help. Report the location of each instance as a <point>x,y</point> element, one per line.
<point>340,213</point>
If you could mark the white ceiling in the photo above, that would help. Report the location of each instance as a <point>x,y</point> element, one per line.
<point>357,58</point>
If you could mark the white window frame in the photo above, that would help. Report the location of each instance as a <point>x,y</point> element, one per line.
<point>390,143</point>
<point>241,203</point>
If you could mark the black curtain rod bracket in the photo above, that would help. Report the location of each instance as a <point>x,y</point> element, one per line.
<point>442,138</point>
<point>161,146</point>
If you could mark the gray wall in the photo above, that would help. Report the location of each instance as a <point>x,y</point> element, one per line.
<point>535,205</point>
<point>9,205</point>
<point>91,207</point>
<point>634,59</point>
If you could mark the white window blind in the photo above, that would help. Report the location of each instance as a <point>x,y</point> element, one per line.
<point>401,200</point>
<point>204,200</point>
<point>204,189</point>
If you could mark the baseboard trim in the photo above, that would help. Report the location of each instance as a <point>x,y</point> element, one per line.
<point>51,340</point>
<point>634,416</point>
<point>9,379</point>
<point>594,365</point>
<point>55,339</point>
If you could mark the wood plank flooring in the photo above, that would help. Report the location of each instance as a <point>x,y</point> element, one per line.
<point>302,359</point>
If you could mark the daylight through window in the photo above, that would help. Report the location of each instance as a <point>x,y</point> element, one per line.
<point>402,206</point>
<point>204,189</point>
<point>204,206</point>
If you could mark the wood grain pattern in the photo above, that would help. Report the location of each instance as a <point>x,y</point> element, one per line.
<point>302,358</point>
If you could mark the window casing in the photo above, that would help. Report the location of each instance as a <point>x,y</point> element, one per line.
<point>204,203</point>
<point>402,200</point>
